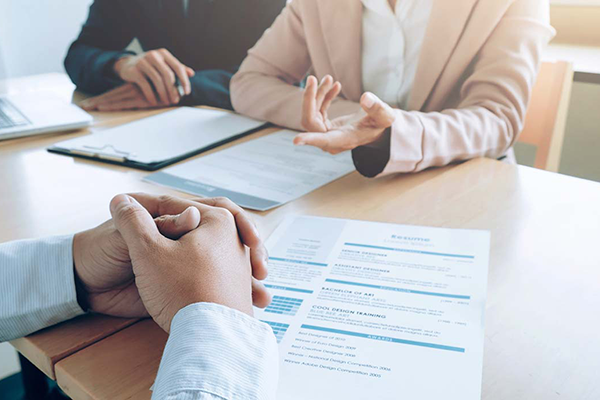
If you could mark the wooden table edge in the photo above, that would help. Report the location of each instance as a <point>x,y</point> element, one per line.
<point>29,349</point>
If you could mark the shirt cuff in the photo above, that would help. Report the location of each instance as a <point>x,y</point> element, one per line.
<point>219,352</point>
<point>37,288</point>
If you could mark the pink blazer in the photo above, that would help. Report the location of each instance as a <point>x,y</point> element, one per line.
<point>477,67</point>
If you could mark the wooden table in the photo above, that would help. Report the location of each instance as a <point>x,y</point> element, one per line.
<point>544,282</point>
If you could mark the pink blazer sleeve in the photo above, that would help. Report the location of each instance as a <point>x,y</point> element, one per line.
<point>482,117</point>
<point>492,101</point>
<point>263,87</point>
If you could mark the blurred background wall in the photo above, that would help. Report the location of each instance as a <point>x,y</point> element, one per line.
<point>35,34</point>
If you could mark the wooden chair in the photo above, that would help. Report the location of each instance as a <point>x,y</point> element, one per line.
<point>547,114</point>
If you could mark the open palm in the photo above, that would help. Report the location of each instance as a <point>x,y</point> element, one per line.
<point>346,132</point>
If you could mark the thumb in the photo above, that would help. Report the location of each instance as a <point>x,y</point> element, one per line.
<point>175,226</point>
<point>379,111</point>
<point>261,297</point>
<point>133,221</point>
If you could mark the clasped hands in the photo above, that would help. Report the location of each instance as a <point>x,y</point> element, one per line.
<point>159,254</point>
<point>346,132</point>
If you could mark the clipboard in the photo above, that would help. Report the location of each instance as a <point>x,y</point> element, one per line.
<point>161,140</point>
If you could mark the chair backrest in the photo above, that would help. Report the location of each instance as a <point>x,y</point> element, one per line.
<point>547,114</point>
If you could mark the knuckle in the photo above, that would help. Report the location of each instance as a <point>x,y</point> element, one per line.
<point>163,203</point>
<point>165,198</point>
<point>223,200</point>
<point>162,222</point>
<point>209,201</point>
<point>127,213</point>
<point>223,216</point>
<point>223,213</point>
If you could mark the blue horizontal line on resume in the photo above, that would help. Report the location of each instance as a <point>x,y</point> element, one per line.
<point>430,253</point>
<point>289,289</point>
<point>394,289</point>
<point>298,261</point>
<point>385,338</point>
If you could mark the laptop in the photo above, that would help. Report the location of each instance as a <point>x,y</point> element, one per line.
<point>38,113</point>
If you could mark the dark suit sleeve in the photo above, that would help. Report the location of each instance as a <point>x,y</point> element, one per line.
<point>103,38</point>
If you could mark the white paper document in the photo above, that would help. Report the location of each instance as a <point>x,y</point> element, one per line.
<point>259,174</point>
<point>167,136</point>
<point>366,310</point>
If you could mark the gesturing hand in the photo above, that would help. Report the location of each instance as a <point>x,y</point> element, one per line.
<point>343,133</point>
<point>209,264</point>
<point>317,99</point>
<point>125,97</point>
<point>155,69</point>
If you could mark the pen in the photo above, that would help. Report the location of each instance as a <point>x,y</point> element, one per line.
<point>179,87</point>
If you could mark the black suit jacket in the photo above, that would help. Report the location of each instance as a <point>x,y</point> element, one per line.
<point>213,39</point>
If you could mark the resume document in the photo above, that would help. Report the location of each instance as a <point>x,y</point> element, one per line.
<point>366,310</point>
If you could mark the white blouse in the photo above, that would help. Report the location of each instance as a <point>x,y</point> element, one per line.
<point>391,46</point>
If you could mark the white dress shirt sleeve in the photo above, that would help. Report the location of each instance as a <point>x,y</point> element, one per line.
<point>37,285</point>
<point>213,352</point>
<point>216,353</point>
